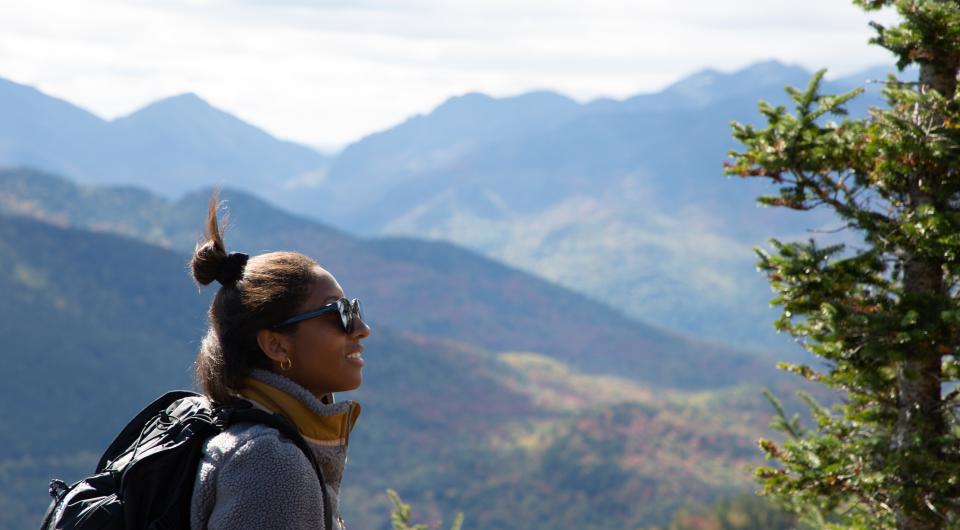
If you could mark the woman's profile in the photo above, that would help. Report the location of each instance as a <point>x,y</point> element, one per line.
<point>282,336</point>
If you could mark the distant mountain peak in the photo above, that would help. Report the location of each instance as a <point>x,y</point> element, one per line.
<point>471,96</point>
<point>698,79</point>
<point>541,93</point>
<point>708,85</point>
<point>464,101</point>
<point>474,101</point>
<point>772,71</point>
<point>190,98</point>
<point>769,66</point>
<point>186,102</point>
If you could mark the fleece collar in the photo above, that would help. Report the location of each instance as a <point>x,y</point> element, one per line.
<point>318,422</point>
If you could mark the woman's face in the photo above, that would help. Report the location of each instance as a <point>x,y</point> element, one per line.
<point>324,356</point>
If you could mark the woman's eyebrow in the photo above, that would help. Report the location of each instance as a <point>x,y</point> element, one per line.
<point>332,298</point>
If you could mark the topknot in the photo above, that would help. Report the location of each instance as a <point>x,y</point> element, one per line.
<point>210,255</point>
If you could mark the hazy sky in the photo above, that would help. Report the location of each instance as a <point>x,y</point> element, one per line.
<point>327,72</point>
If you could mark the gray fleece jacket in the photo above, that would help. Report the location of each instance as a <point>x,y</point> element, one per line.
<point>252,477</point>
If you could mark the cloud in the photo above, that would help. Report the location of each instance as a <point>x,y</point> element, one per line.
<point>327,72</point>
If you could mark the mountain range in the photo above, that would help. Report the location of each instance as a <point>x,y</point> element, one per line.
<point>620,200</point>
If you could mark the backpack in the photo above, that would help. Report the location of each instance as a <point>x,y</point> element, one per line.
<point>145,478</point>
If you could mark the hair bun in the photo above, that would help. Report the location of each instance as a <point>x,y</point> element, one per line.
<point>232,268</point>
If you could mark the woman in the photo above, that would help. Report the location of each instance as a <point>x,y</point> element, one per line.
<point>282,336</point>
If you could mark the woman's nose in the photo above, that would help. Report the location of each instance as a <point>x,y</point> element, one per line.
<point>360,328</point>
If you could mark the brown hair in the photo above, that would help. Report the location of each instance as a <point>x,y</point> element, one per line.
<point>254,294</point>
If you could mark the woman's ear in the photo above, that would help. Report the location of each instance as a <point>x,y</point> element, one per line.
<point>275,345</point>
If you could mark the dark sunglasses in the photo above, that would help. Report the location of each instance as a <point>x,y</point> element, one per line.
<point>348,309</point>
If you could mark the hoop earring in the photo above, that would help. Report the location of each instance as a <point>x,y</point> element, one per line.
<point>288,365</point>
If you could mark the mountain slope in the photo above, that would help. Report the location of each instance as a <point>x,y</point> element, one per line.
<point>42,131</point>
<point>98,324</point>
<point>74,303</point>
<point>95,326</point>
<point>709,86</point>
<point>454,129</point>
<point>431,288</point>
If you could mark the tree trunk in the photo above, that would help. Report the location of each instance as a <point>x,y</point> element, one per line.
<point>920,418</point>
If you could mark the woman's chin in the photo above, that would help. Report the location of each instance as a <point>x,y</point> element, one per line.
<point>351,383</point>
<point>357,384</point>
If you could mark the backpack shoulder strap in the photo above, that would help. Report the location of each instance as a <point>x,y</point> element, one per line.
<point>239,413</point>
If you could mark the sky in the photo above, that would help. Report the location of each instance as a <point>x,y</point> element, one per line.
<point>327,72</point>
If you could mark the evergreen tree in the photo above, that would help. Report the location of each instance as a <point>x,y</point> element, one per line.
<point>883,314</point>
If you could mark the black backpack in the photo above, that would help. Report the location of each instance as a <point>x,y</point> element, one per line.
<point>145,477</point>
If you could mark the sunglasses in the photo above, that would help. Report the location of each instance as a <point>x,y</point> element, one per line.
<point>348,309</point>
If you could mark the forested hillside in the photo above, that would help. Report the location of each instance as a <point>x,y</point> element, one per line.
<point>426,287</point>
<point>97,324</point>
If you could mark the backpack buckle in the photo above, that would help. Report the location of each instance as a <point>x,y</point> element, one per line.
<point>58,489</point>
<point>220,419</point>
